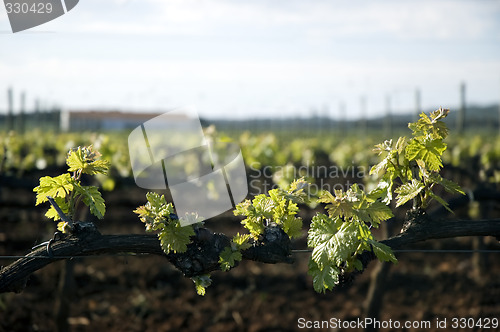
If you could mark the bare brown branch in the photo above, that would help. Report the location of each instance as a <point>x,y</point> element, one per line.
<point>201,257</point>
<point>203,253</point>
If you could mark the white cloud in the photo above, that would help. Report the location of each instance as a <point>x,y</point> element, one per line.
<point>403,20</point>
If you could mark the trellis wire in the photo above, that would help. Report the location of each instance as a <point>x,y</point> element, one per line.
<point>295,251</point>
<point>424,251</point>
<point>71,257</point>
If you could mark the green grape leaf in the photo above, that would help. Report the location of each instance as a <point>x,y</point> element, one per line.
<point>365,234</point>
<point>264,205</point>
<point>241,241</point>
<point>93,199</point>
<point>143,212</point>
<point>401,145</point>
<point>244,208</point>
<point>98,167</point>
<point>254,225</point>
<point>377,212</point>
<point>385,146</point>
<point>383,189</point>
<point>75,160</point>
<point>200,290</point>
<point>381,166</point>
<point>323,278</point>
<point>228,257</point>
<point>158,206</point>
<point>413,149</point>
<point>85,159</point>
<point>326,197</point>
<point>408,191</point>
<point>332,240</point>
<point>254,220</point>
<point>58,186</point>
<point>429,151</point>
<point>292,226</point>
<point>386,163</point>
<point>156,212</point>
<point>431,125</point>
<point>339,206</point>
<point>279,207</point>
<point>201,283</point>
<point>148,218</point>
<point>296,193</point>
<point>439,129</point>
<point>174,237</point>
<point>432,153</point>
<point>439,114</point>
<point>448,185</point>
<point>64,227</point>
<point>440,201</point>
<point>383,252</point>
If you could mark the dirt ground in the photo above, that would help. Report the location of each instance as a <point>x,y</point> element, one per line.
<point>146,293</point>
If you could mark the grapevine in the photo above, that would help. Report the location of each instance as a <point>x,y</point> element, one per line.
<point>340,237</point>
<point>410,169</point>
<point>67,190</point>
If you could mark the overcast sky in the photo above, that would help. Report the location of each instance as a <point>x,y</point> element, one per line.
<point>257,58</point>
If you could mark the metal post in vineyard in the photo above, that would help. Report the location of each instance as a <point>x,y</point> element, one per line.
<point>461,112</point>
<point>418,104</point>
<point>362,121</point>
<point>22,110</point>
<point>388,117</point>
<point>341,121</point>
<point>10,110</point>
